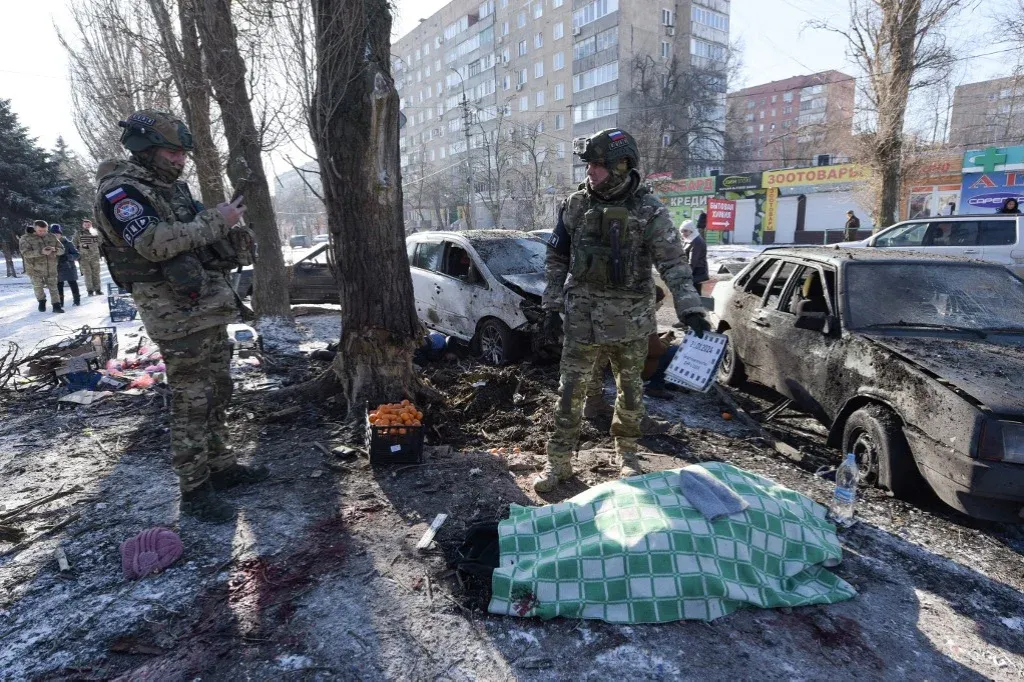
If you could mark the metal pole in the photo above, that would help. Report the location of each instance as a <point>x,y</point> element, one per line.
<point>469,167</point>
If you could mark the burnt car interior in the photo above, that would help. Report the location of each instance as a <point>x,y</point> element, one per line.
<point>458,264</point>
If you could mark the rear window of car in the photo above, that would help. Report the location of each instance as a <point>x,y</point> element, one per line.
<point>779,284</point>
<point>428,256</point>
<point>998,232</point>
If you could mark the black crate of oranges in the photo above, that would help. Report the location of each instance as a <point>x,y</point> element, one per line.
<point>394,434</point>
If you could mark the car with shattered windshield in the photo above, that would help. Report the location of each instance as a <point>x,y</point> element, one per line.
<point>913,362</point>
<point>483,287</point>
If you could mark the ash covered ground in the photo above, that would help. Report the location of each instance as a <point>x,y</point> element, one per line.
<point>319,577</point>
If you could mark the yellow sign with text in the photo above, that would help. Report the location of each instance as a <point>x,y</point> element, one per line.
<point>771,209</point>
<point>819,175</point>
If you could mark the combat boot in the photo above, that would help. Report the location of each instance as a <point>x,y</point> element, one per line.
<point>595,406</point>
<point>204,504</point>
<point>552,475</point>
<point>630,465</point>
<point>42,305</point>
<point>651,426</point>
<point>57,307</point>
<point>238,474</point>
<point>659,392</point>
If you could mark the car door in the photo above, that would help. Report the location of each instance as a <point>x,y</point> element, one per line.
<point>805,345</point>
<point>771,326</point>
<point>744,304</point>
<point>1001,243</point>
<point>313,278</point>
<point>460,288</point>
<point>425,261</point>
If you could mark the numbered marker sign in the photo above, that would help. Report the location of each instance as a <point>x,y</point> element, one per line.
<point>696,362</point>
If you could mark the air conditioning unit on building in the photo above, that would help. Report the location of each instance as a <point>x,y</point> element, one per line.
<point>576,30</point>
<point>670,30</point>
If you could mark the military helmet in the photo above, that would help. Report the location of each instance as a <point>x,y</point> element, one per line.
<point>607,146</point>
<point>149,128</point>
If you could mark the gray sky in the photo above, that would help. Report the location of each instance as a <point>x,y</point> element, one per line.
<point>777,44</point>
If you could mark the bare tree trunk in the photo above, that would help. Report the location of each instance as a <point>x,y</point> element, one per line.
<point>354,126</point>
<point>226,70</point>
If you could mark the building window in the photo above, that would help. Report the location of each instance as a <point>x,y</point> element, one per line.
<point>504,28</point>
<point>760,128</point>
<point>748,130</point>
<point>521,19</point>
<point>771,127</point>
<point>602,41</point>
<point>666,140</point>
<point>593,11</point>
<point>522,77</point>
<point>522,48</point>
<point>538,10</point>
<point>558,61</point>
<point>773,111</point>
<point>506,55</point>
<point>707,17</point>
<point>666,49</point>
<point>560,150</point>
<point>667,17</point>
<point>597,108</point>
<point>538,70</point>
<point>785,124</point>
<point>540,98</point>
<point>524,103</point>
<point>538,41</point>
<point>787,97</point>
<point>557,3</point>
<point>558,30</point>
<point>559,91</point>
<point>506,82</point>
<point>788,109</point>
<point>775,98</point>
<point>559,122</point>
<point>748,117</point>
<point>605,73</point>
<point>760,114</point>
<point>712,51</point>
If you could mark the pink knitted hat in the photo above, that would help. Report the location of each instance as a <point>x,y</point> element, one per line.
<point>151,551</point>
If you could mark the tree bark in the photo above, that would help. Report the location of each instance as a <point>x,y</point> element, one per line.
<point>226,71</point>
<point>354,126</point>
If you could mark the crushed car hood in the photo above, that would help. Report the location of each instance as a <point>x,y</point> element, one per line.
<point>988,372</point>
<point>532,284</point>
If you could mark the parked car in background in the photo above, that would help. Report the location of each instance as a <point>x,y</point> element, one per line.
<point>310,280</point>
<point>320,239</point>
<point>481,286</point>
<point>993,238</point>
<point>299,241</point>
<point>913,361</point>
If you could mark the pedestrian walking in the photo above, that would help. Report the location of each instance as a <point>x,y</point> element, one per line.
<point>609,236</point>
<point>89,248</point>
<point>696,251</point>
<point>39,253</point>
<point>852,226</point>
<point>66,270</point>
<point>157,243</point>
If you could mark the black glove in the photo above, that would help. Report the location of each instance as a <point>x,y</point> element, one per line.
<point>698,323</point>
<point>551,328</point>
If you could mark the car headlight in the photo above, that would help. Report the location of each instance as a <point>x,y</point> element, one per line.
<point>1002,441</point>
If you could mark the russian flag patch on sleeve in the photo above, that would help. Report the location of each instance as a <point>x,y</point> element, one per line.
<point>116,195</point>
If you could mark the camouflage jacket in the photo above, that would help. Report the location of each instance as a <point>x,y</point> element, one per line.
<point>37,263</point>
<point>161,221</point>
<point>595,313</point>
<point>88,245</point>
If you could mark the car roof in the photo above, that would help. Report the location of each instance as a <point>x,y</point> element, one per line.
<point>837,255</point>
<point>960,216</point>
<point>476,235</point>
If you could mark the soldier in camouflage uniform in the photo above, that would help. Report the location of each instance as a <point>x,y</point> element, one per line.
<point>39,252</point>
<point>610,233</point>
<point>88,243</point>
<point>173,254</point>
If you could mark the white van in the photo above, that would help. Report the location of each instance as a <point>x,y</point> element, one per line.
<point>993,238</point>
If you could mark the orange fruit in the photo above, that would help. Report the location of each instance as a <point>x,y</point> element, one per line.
<point>401,432</point>
<point>727,416</point>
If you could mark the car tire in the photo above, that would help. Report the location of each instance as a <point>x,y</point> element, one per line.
<point>874,434</point>
<point>496,343</point>
<point>731,371</point>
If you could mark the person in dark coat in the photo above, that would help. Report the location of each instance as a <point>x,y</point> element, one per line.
<point>696,251</point>
<point>852,226</point>
<point>1011,206</point>
<point>66,270</point>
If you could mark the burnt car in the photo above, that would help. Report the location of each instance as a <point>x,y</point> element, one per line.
<point>483,287</point>
<point>913,361</point>
<point>310,279</point>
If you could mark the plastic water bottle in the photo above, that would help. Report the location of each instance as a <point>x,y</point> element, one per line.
<point>845,494</point>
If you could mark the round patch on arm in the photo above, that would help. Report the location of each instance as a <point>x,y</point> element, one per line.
<point>127,209</point>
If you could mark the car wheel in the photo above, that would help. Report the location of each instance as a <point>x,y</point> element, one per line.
<point>874,435</point>
<point>497,343</point>
<point>731,371</point>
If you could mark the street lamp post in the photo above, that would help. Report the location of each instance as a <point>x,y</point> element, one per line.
<point>469,166</point>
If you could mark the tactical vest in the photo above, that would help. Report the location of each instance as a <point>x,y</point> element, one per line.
<point>608,249</point>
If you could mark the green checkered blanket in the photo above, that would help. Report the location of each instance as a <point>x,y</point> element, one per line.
<point>636,551</point>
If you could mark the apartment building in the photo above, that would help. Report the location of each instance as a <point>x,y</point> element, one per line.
<point>543,70</point>
<point>799,121</point>
<point>987,113</point>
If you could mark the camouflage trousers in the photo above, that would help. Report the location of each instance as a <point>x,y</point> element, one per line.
<point>40,286</point>
<point>198,371</point>
<point>577,370</point>
<point>91,272</point>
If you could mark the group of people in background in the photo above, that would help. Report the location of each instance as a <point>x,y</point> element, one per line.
<point>51,260</point>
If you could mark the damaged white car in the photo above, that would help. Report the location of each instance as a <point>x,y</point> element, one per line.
<point>483,287</point>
